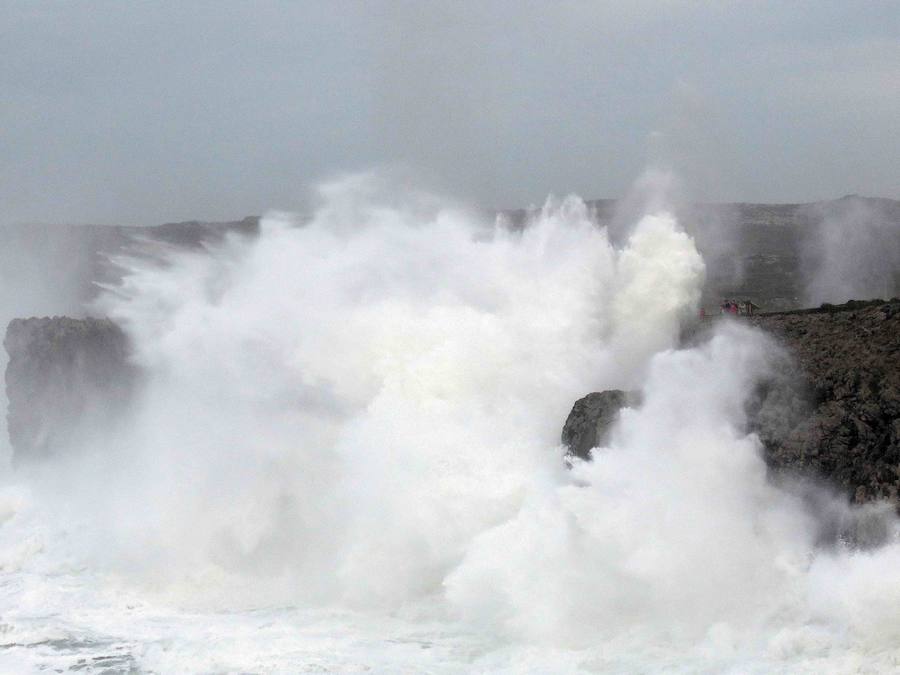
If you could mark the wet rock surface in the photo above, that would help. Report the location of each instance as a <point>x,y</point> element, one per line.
<point>66,378</point>
<point>841,414</point>
<point>832,412</point>
<point>591,420</point>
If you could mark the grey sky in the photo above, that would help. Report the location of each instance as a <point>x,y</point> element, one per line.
<point>144,112</point>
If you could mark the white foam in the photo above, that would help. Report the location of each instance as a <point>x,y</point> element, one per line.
<point>349,434</point>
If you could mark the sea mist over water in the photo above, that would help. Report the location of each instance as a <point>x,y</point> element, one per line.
<point>360,412</point>
<point>852,251</point>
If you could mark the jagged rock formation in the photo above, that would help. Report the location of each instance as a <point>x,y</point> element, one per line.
<point>832,412</point>
<point>841,414</point>
<point>65,379</point>
<point>591,419</point>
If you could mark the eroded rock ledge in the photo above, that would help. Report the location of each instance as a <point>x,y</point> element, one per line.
<point>592,418</point>
<point>66,378</point>
<point>833,415</point>
<point>848,373</point>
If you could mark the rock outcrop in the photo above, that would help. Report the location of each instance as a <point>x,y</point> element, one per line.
<point>843,407</point>
<point>591,420</point>
<point>831,414</point>
<point>66,378</point>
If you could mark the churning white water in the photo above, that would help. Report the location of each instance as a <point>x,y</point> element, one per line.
<point>345,457</point>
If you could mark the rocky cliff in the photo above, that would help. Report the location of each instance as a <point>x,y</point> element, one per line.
<point>66,378</point>
<point>591,419</point>
<point>832,414</point>
<point>841,415</point>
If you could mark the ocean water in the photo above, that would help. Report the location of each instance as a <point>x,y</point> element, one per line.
<point>345,458</point>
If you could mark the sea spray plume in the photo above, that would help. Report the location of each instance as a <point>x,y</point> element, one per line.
<point>674,529</point>
<point>496,433</point>
<point>340,407</point>
<point>852,250</point>
<point>674,536</point>
<point>656,190</point>
<point>658,282</point>
<point>712,227</point>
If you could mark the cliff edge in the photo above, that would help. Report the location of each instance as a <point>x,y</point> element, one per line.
<point>66,378</point>
<point>832,413</point>
<point>848,380</point>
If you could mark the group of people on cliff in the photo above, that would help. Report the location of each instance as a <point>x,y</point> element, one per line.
<point>745,308</point>
<point>733,307</point>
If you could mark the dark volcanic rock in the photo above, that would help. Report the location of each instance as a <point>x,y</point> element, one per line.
<point>589,423</point>
<point>831,413</point>
<point>65,379</point>
<point>848,373</point>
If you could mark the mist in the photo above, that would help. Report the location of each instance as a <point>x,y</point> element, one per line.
<point>852,251</point>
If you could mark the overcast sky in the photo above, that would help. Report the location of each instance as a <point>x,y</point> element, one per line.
<point>145,112</point>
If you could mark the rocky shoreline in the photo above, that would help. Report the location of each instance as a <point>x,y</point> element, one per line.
<point>833,415</point>
<point>847,394</point>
